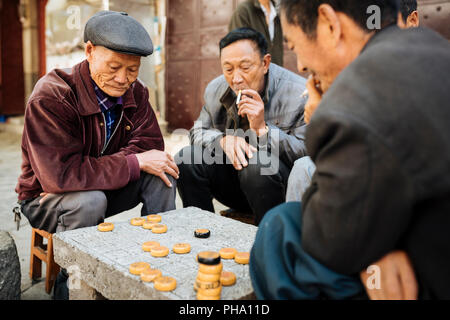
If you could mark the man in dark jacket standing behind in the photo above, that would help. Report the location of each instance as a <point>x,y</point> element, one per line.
<point>91,144</point>
<point>262,16</point>
<point>380,139</point>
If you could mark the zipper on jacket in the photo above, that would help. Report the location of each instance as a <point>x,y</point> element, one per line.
<point>105,145</point>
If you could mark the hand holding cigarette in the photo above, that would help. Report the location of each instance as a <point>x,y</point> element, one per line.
<point>251,105</point>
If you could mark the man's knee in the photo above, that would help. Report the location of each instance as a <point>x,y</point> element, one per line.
<point>259,172</point>
<point>93,205</point>
<point>82,209</point>
<point>160,184</point>
<point>188,156</point>
<point>300,178</point>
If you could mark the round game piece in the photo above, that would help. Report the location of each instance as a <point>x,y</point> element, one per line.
<point>198,284</point>
<point>165,283</point>
<point>227,253</point>
<point>227,278</point>
<point>137,221</point>
<point>181,248</point>
<point>148,275</point>
<point>210,269</point>
<point>208,257</point>
<point>211,292</point>
<point>159,228</point>
<point>202,233</point>
<point>208,277</point>
<point>242,257</point>
<point>147,246</point>
<point>149,225</point>
<point>159,251</point>
<point>137,267</point>
<point>105,226</point>
<point>154,218</point>
<point>201,296</point>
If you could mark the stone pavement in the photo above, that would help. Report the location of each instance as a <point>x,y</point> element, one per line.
<point>99,261</point>
<point>10,161</point>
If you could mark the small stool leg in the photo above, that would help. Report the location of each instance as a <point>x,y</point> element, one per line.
<point>35,262</point>
<point>52,267</point>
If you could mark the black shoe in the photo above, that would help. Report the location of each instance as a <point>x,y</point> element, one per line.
<point>61,291</point>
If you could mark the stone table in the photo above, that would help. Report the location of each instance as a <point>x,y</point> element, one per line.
<point>9,268</point>
<point>98,262</point>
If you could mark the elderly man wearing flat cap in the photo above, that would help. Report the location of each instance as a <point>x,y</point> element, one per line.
<point>91,143</point>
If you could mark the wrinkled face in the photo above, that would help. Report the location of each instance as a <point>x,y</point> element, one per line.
<point>312,54</point>
<point>113,72</point>
<point>243,66</point>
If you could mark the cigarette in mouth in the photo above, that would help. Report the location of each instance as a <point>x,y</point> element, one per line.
<point>238,97</point>
<point>304,93</point>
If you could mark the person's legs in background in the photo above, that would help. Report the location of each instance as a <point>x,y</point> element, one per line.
<point>149,190</point>
<point>300,178</point>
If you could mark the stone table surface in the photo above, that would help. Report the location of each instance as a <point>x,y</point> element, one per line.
<point>100,260</point>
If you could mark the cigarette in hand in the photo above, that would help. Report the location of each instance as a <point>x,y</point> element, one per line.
<point>238,97</point>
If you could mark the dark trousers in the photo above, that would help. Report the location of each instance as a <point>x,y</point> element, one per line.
<point>73,210</point>
<point>250,189</point>
<point>281,269</point>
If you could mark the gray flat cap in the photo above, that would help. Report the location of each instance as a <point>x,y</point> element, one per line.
<point>119,32</point>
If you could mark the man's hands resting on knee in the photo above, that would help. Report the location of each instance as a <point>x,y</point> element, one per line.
<point>236,148</point>
<point>397,282</point>
<point>158,163</point>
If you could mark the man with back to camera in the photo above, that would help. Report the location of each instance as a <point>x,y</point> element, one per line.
<point>379,138</point>
<point>91,145</point>
<point>303,169</point>
<point>269,112</point>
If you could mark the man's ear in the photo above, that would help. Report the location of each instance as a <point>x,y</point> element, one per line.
<point>266,62</point>
<point>413,19</point>
<point>89,50</point>
<point>328,25</point>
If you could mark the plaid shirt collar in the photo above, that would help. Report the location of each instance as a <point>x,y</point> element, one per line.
<point>105,101</point>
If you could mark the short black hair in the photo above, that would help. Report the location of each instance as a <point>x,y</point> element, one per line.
<point>304,13</point>
<point>245,34</point>
<point>407,7</point>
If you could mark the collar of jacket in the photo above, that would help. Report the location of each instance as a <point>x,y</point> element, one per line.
<point>86,94</point>
<point>258,6</point>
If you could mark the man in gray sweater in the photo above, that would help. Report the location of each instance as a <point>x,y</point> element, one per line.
<point>249,132</point>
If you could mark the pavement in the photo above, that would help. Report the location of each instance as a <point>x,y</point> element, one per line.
<point>10,161</point>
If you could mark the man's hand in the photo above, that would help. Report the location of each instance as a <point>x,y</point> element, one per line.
<point>158,163</point>
<point>43,195</point>
<point>398,281</point>
<point>252,106</point>
<point>314,98</point>
<point>236,148</point>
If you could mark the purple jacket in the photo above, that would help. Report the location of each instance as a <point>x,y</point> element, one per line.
<point>63,143</point>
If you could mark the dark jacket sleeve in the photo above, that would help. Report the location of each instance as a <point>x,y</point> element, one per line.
<point>55,150</point>
<point>240,18</point>
<point>357,206</point>
<point>146,134</point>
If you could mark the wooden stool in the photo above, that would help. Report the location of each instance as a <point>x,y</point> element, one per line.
<point>43,252</point>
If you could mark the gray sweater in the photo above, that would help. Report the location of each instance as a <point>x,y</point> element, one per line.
<point>283,113</point>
